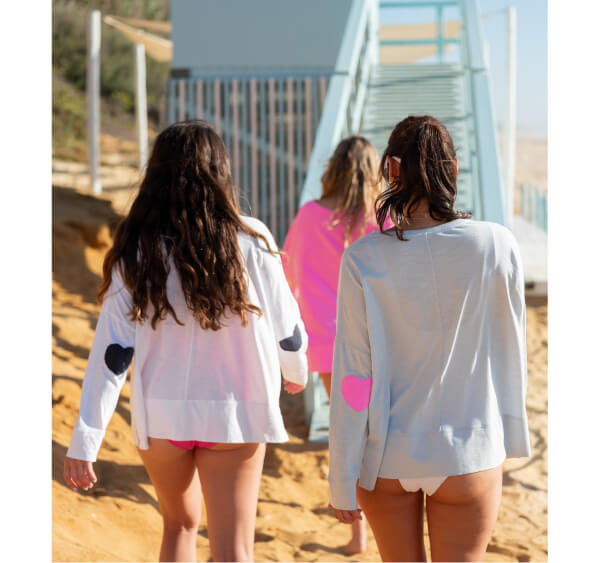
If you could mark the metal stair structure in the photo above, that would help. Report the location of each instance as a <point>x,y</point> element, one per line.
<point>370,98</point>
<point>397,91</point>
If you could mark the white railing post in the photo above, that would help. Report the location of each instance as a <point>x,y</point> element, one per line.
<point>339,93</point>
<point>493,205</point>
<point>93,100</point>
<point>141,108</point>
<point>510,112</point>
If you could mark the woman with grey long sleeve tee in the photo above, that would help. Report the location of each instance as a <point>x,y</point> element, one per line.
<point>434,328</point>
<point>430,370</point>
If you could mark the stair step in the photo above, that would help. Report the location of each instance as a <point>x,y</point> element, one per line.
<point>396,91</point>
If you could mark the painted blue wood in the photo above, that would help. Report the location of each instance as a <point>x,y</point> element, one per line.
<point>492,200</point>
<point>440,32</point>
<point>226,85</point>
<point>208,101</point>
<point>261,141</point>
<point>341,114</point>
<point>299,141</point>
<point>244,85</point>
<point>263,153</point>
<point>172,101</point>
<point>258,74</point>
<point>241,35</point>
<point>340,108</point>
<point>317,109</point>
<point>281,207</point>
<point>532,217</point>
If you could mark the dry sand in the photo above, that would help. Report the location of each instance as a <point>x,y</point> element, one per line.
<point>119,519</point>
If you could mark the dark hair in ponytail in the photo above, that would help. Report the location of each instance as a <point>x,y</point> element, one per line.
<point>427,171</point>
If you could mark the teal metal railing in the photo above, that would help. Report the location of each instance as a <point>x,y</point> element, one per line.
<point>346,92</point>
<point>439,40</point>
<point>485,162</point>
<point>341,116</point>
<point>533,205</point>
<point>480,151</point>
<point>268,123</point>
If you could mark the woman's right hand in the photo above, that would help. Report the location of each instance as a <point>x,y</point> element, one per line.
<point>292,388</point>
<point>79,473</point>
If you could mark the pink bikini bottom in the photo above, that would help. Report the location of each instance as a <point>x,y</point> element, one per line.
<point>429,485</point>
<point>191,444</point>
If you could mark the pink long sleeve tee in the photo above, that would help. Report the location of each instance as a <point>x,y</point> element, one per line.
<point>312,264</point>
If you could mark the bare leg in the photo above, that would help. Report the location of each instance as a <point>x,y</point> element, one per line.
<point>230,476</point>
<point>396,518</point>
<point>326,379</point>
<point>358,542</point>
<point>461,515</point>
<point>173,473</point>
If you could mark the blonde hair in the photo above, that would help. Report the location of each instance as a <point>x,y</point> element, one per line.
<point>352,179</point>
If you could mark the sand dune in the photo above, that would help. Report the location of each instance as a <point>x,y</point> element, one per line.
<point>119,519</point>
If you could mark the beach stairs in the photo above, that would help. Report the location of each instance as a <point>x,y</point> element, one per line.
<point>397,91</point>
<point>393,93</point>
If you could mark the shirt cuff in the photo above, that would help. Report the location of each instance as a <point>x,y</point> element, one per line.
<point>299,377</point>
<point>343,494</point>
<point>85,441</point>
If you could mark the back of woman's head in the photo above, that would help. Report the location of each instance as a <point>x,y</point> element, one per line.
<point>427,171</point>
<point>352,180</point>
<point>186,213</point>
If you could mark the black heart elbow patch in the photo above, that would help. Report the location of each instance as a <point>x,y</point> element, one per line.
<point>292,343</point>
<point>118,358</point>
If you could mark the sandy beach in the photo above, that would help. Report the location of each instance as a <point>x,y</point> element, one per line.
<point>119,519</point>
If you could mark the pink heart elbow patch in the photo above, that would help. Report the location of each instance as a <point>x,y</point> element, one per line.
<point>357,391</point>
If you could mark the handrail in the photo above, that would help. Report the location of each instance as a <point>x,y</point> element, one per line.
<point>342,114</point>
<point>346,93</point>
<point>429,4</point>
<point>478,81</point>
<point>440,41</point>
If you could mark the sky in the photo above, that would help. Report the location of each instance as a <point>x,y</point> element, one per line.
<point>532,67</point>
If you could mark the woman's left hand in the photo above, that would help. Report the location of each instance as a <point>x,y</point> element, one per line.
<point>292,388</point>
<point>79,473</point>
<point>347,516</point>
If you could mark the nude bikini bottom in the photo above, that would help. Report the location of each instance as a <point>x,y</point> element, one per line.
<point>429,485</point>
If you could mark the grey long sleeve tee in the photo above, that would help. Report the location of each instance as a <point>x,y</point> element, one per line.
<point>430,369</point>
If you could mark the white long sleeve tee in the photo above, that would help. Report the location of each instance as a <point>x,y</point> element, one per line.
<point>430,369</point>
<point>193,384</point>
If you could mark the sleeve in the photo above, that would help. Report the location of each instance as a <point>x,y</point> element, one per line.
<point>519,438</point>
<point>106,371</point>
<point>351,387</point>
<point>284,316</point>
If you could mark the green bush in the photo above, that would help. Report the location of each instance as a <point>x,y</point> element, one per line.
<point>69,46</point>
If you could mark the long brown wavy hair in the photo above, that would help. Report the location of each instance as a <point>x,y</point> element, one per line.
<point>427,171</point>
<point>351,178</point>
<point>186,213</point>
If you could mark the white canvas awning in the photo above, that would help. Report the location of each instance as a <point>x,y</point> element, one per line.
<point>157,47</point>
<point>153,25</point>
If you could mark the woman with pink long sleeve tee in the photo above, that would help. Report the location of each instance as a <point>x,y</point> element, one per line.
<point>314,251</point>
<point>316,240</point>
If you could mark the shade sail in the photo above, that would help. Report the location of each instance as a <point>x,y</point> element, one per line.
<point>157,47</point>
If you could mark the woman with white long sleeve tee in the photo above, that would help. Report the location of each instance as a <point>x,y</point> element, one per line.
<point>193,384</point>
<point>195,294</point>
<point>430,371</point>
